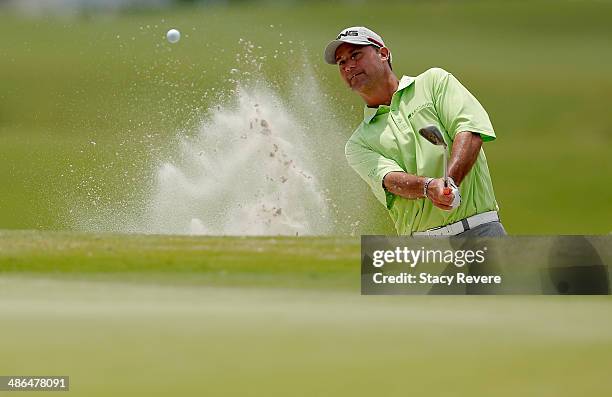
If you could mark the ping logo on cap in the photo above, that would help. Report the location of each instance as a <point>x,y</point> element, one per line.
<point>348,33</point>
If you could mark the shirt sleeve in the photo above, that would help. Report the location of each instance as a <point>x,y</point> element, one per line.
<point>372,168</point>
<point>458,109</point>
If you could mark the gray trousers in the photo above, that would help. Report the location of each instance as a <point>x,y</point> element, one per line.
<point>471,240</point>
<point>491,229</point>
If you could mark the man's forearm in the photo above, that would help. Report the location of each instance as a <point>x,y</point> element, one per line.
<point>466,148</point>
<point>405,185</point>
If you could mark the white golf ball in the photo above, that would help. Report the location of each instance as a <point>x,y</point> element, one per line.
<point>173,36</point>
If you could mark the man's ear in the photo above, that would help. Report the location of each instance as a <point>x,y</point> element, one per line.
<point>384,54</point>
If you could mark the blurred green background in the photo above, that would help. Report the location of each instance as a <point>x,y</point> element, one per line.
<point>91,100</point>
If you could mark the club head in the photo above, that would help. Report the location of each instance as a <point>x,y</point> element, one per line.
<point>433,135</point>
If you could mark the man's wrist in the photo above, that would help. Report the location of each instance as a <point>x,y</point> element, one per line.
<point>426,183</point>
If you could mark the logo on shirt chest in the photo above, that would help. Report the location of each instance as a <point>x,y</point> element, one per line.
<point>419,108</point>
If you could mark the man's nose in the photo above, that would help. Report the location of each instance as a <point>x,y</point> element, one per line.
<point>348,65</point>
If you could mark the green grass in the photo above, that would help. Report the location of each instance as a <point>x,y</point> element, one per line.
<point>153,315</point>
<point>540,68</point>
<point>283,262</point>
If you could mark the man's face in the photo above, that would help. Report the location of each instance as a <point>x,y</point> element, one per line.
<point>361,67</point>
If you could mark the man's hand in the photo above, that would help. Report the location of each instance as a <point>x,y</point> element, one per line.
<point>435,192</point>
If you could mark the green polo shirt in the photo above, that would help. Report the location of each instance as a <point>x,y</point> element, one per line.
<point>388,140</point>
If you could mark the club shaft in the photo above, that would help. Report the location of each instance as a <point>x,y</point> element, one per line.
<point>445,170</point>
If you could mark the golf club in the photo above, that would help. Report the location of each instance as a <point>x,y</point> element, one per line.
<point>433,135</point>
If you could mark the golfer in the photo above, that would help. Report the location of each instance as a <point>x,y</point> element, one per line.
<point>404,169</point>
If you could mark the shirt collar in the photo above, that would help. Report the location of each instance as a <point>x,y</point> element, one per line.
<point>369,113</point>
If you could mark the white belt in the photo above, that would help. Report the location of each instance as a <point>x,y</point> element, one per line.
<point>462,225</point>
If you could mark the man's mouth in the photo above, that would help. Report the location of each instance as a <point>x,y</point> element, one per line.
<point>354,75</point>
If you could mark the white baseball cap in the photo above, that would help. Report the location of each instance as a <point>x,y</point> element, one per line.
<point>359,35</point>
